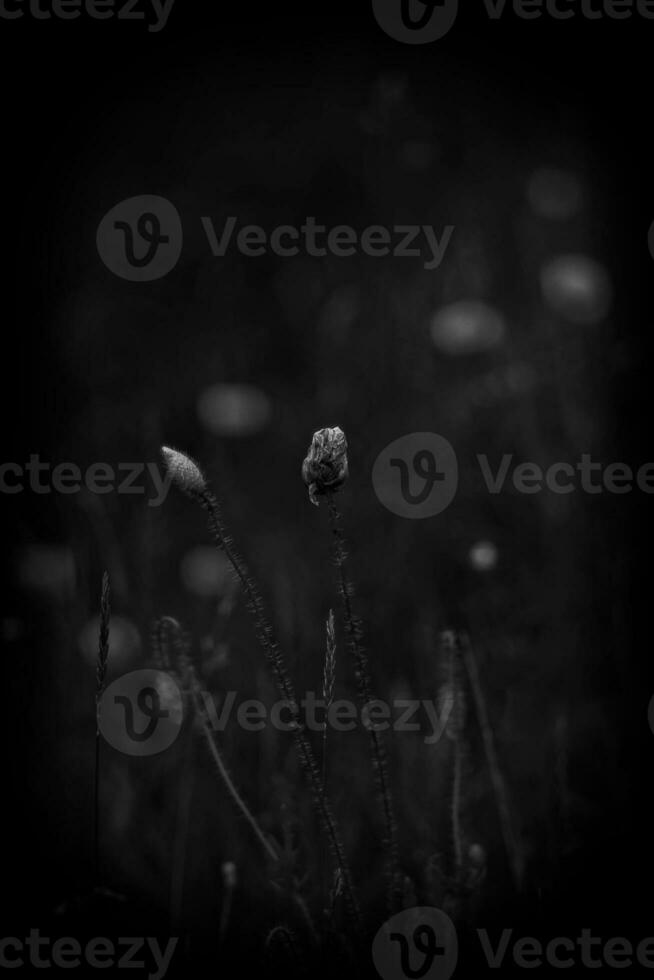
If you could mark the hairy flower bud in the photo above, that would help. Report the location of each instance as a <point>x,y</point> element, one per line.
<point>325,467</point>
<point>183,471</point>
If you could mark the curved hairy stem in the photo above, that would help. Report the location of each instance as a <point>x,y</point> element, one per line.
<point>270,647</point>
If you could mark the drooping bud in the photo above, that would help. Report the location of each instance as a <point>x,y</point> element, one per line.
<point>325,468</point>
<point>183,471</point>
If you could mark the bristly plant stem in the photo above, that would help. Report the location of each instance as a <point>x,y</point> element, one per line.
<point>364,692</point>
<point>497,779</point>
<point>100,674</point>
<point>328,682</point>
<point>264,633</point>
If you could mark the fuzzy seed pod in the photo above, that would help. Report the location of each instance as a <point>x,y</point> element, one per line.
<point>183,471</point>
<point>325,467</point>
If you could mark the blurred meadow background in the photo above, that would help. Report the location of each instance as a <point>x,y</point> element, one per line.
<point>516,344</point>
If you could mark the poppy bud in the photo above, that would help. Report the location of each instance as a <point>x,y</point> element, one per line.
<point>325,467</point>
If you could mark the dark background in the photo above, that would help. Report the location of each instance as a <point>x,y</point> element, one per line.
<point>275,113</point>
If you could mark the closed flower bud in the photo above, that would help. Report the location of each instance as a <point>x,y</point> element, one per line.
<point>325,467</point>
<point>183,471</point>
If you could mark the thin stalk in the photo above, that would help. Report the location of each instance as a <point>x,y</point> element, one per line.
<point>264,633</point>
<point>100,673</point>
<point>225,914</point>
<point>231,786</point>
<point>455,731</point>
<point>364,693</point>
<point>180,840</point>
<point>456,809</point>
<point>232,789</point>
<point>497,779</point>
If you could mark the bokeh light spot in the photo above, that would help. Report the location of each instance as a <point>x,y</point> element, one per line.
<point>483,556</point>
<point>233,409</point>
<point>206,573</point>
<point>577,288</point>
<point>124,641</point>
<point>467,327</point>
<point>47,568</point>
<point>555,194</point>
